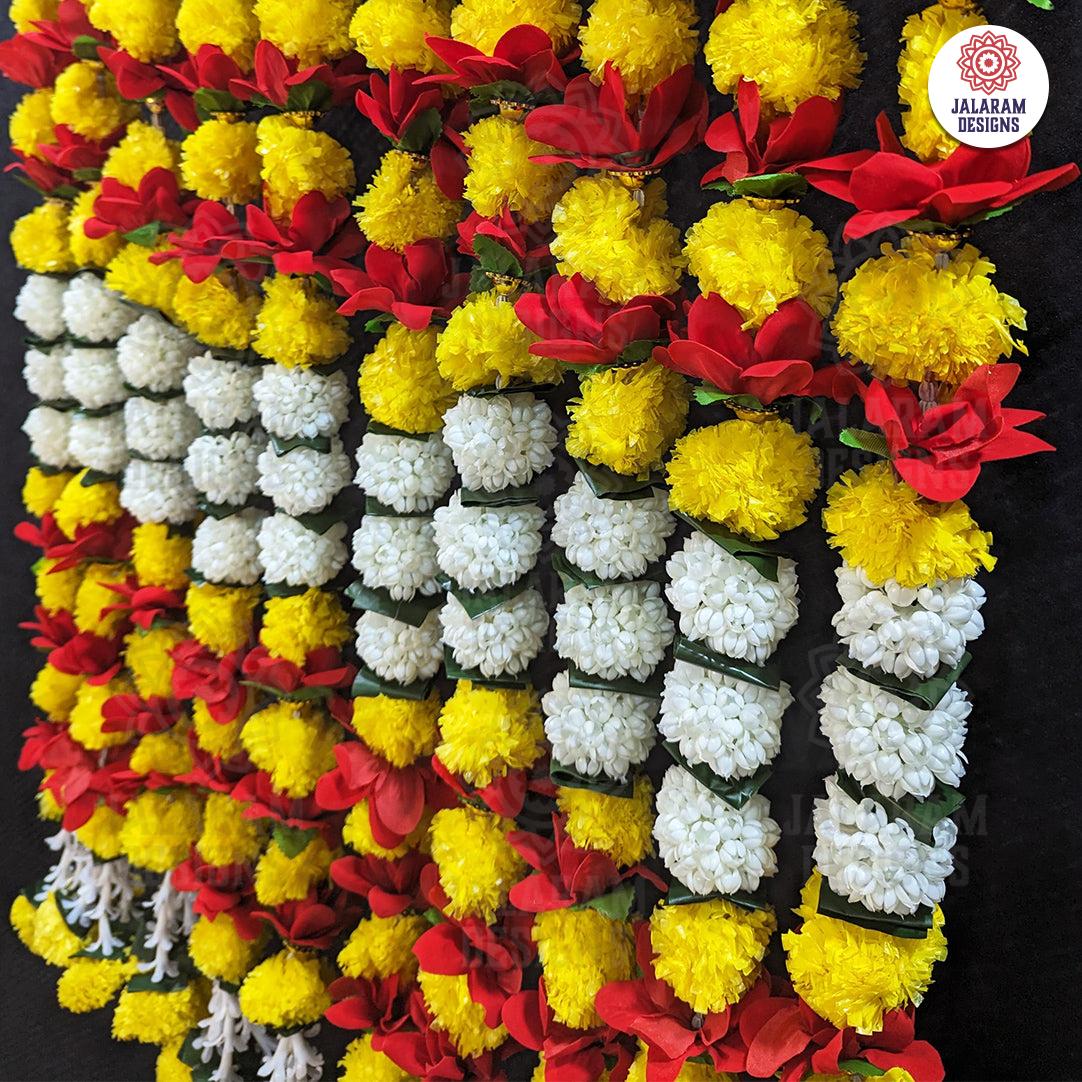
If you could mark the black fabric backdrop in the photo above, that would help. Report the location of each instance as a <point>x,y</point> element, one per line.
<point>1004,1005</point>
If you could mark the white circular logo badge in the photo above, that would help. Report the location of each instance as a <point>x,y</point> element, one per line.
<point>988,86</point>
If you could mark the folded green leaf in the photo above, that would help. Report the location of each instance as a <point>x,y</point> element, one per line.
<point>368,685</point>
<point>872,443</point>
<point>567,777</point>
<point>319,522</point>
<point>678,894</point>
<point>376,429</point>
<point>697,653</point>
<point>372,506</point>
<point>616,905</point>
<point>607,484</point>
<point>764,186</point>
<point>512,496</point>
<point>622,685</point>
<point>413,611</point>
<point>292,840</point>
<point>494,257</point>
<point>707,394</point>
<point>571,575</point>
<point>921,815</point>
<point>760,554</point>
<point>475,676</point>
<point>924,694</point>
<point>832,904</point>
<point>283,589</point>
<point>283,446</point>
<point>736,792</point>
<point>493,391</point>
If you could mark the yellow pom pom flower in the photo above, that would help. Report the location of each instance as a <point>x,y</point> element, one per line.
<point>143,148</point>
<point>619,826</point>
<point>85,720</point>
<point>160,827</point>
<point>401,730</point>
<point>357,834</point>
<point>481,23</point>
<point>94,595</point>
<point>220,311</point>
<point>295,626</point>
<point>298,325</point>
<point>229,24</point>
<point>627,418</point>
<point>50,938</point>
<point>362,1063</point>
<point>85,99</point>
<point>309,30</point>
<point>152,285</point>
<point>754,477</point>
<point>31,122</point>
<point>709,952</point>
<point>380,947</point>
<point>792,51</point>
<point>391,33</point>
<point>49,809</point>
<point>145,29</point>
<point>22,915</point>
<point>885,528</point>
<point>222,618</point>
<point>159,1017</point>
<point>83,505</point>
<point>163,753</point>
<point>89,983</point>
<point>219,160</point>
<point>911,316</point>
<point>476,863</point>
<point>42,489</point>
<point>285,990</point>
<point>399,382</point>
<point>485,732</point>
<point>54,692</point>
<point>101,832</point>
<point>227,837</point>
<point>148,660</point>
<point>298,160</point>
<point>756,259</point>
<point>24,13</point>
<point>581,950</point>
<point>221,741</point>
<point>647,40</point>
<point>168,1067</point>
<point>625,249</point>
<point>88,251</point>
<point>293,742</point>
<point>281,878</point>
<point>852,976</point>
<point>484,343</point>
<point>56,590</point>
<point>160,557</point>
<point>218,950</point>
<point>454,1012</point>
<point>39,239</point>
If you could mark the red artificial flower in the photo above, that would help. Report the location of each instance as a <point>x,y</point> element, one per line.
<point>59,34</point>
<point>526,241</point>
<point>753,145</point>
<point>94,541</point>
<point>209,772</point>
<point>506,794</point>
<point>280,80</point>
<point>40,175</point>
<point>322,676</point>
<point>390,887</point>
<point>120,209</point>
<point>51,629</point>
<point>220,888</point>
<point>939,451</point>
<point>198,673</point>
<point>378,1005</point>
<point>130,713</point>
<point>31,63</point>
<point>888,187</point>
<point>523,55</point>
<point>142,605</point>
<point>579,326</point>
<point>201,248</point>
<point>135,80</point>
<point>72,151</point>
<point>594,128</point>
<point>256,790</point>
<point>313,922</point>
<point>86,654</point>
<point>403,109</point>
<point>208,68</point>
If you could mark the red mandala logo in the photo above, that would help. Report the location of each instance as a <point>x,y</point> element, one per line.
<point>989,62</point>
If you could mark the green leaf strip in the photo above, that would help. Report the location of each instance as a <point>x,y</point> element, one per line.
<point>760,554</point>
<point>924,694</point>
<point>567,777</point>
<point>832,904</point>
<point>736,792</point>
<point>697,653</point>
<point>922,815</point>
<point>413,611</point>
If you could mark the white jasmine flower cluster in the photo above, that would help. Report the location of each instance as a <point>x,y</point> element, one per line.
<point>39,306</point>
<point>153,354</point>
<point>730,725</point>
<point>397,651</point>
<point>708,844</point>
<point>505,639</point>
<point>612,631</point>
<point>397,555</point>
<point>615,539</point>
<point>724,602</point>
<point>47,429</point>
<point>99,442</point>
<point>160,430</point>
<point>907,631</point>
<point>301,401</point>
<point>303,480</point>
<point>225,468</point>
<point>226,550</point>
<point>598,732</point>
<point>877,861</point>
<point>92,377</point>
<point>404,473</point>
<point>219,391</point>
<point>158,492</point>
<point>885,741</point>
<point>486,548</point>
<point>43,371</point>
<point>295,555</point>
<point>94,312</point>
<point>499,441</point>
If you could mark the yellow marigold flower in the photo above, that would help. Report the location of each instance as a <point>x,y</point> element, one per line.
<point>160,827</point>
<point>792,51</point>
<point>400,730</point>
<point>229,24</point>
<point>619,826</point>
<point>54,692</point>
<point>220,952</point>
<point>85,720</point>
<point>625,249</point>
<point>908,316</point>
<point>168,1067</point>
<point>403,204</point>
<point>148,659</point>
<point>159,1017</point>
<point>646,39</point>
<point>221,741</point>
<point>101,832</point>
<point>283,991</point>
<point>24,13</point>
<point>400,384</point>
<point>31,122</point>
<point>881,525</point>
<point>39,239</point>
<point>298,325</point>
<point>476,863</point>
<point>295,626</point>
<point>94,595</point>
<point>581,950</point>
<point>281,878</point>
<point>501,173</point>
<point>163,753</point>
<point>362,1063</point>
<point>391,33</point>
<point>222,618</point>
<point>484,343</point>
<point>454,1011</point>
<point>159,556</point>
<point>692,1071</point>
<point>923,35</point>
<point>89,983</point>
<point>42,488</point>
<point>85,99</point>
<point>48,807</point>
<point>627,418</point>
<point>87,251</point>
<point>56,590</point>
<point>485,732</point>
<point>357,834</point>
<point>143,148</point>
<point>145,30</point>
<point>380,947</point>
<point>756,259</point>
<point>293,742</point>
<point>219,160</point>
<point>22,916</point>
<point>297,160</point>
<point>81,505</point>
<point>152,285</point>
<point>52,939</point>
<point>309,30</point>
<point>709,952</point>
<point>227,837</point>
<point>852,976</point>
<point>481,23</point>
<point>220,311</point>
<point>755,477</point>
